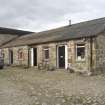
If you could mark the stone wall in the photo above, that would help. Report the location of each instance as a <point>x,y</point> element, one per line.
<point>81,65</point>
<point>100,53</point>
<point>16,61</point>
<point>52,53</point>
<point>71,47</point>
<point>6,56</point>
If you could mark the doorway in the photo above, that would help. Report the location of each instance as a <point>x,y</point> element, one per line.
<point>35,56</point>
<point>61,56</point>
<point>10,56</point>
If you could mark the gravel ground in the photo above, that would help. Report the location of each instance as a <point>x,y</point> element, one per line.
<point>32,87</point>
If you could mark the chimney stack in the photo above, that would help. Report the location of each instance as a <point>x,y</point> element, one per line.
<point>69,22</point>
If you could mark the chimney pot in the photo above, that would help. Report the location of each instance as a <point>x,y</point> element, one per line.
<point>70,22</point>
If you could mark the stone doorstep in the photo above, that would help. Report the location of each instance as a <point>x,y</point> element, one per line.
<point>34,67</point>
<point>84,72</point>
<point>81,71</point>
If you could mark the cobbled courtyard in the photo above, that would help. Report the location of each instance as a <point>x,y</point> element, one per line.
<point>32,87</point>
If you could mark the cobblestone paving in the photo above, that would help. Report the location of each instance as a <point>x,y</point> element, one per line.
<point>31,87</point>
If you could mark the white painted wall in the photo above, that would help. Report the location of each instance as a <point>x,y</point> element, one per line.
<point>66,56</point>
<point>32,61</point>
<point>57,58</point>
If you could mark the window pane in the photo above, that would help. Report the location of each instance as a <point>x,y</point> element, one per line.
<point>20,54</point>
<point>80,51</point>
<point>46,54</point>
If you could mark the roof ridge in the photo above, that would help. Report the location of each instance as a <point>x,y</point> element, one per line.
<point>72,25</point>
<point>83,29</point>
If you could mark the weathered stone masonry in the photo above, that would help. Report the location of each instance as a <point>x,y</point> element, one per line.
<point>100,52</point>
<point>16,61</point>
<point>71,48</point>
<point>71,45</point>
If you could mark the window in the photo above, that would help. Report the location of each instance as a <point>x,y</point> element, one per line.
<point>46,53</point>
<point>20,54</point>
<point>80,52</point>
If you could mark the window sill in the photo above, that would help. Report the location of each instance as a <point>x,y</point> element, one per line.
<point>46,60</point>
<point>80,61</point>
<point>20,59</point>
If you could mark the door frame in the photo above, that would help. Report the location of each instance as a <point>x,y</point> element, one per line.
<point>32,53</point>
<point>66,56</point>
<point>10,57</point>
<point>32,56</point>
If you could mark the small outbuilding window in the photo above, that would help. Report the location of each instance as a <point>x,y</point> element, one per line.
<point>20,54</point>
<point>46,53</point>
<point>80,52</point>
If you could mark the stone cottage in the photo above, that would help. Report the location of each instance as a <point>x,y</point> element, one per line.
<point>7,35</point>
<point>80,46</point>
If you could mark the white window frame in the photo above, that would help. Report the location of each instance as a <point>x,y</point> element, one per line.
<point>76,52</point>
<point>44,53</point>
<point>20,51</point>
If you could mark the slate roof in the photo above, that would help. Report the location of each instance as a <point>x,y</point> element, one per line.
<point>13,31</point>
<point>7,34</point>
<point>74,31</point>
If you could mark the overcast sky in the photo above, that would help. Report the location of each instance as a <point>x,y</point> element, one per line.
<point>38,15</point>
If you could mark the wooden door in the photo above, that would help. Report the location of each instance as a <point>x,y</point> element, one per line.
<point>61,56</point>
